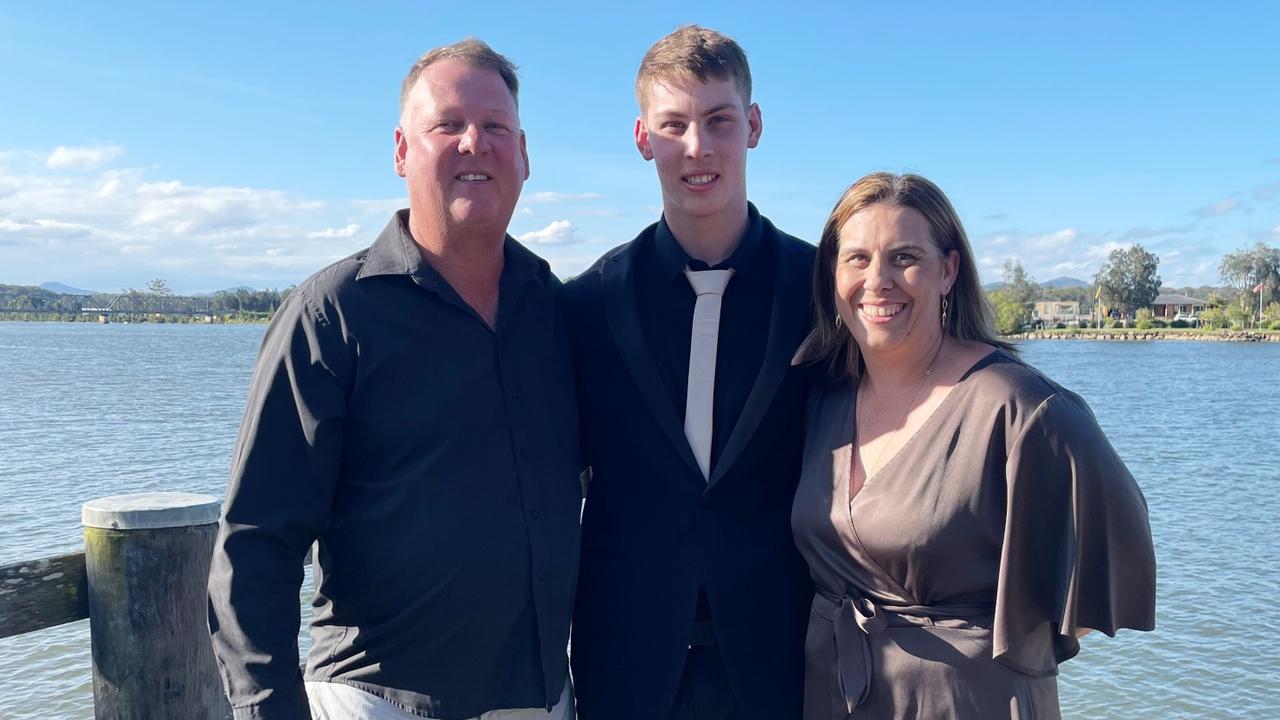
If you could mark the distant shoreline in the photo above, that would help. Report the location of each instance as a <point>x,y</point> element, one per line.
<point>1134,335</point>
<point>1101,335</point>
<point>27,317</point>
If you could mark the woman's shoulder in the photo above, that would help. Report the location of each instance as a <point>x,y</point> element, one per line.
<point>1017,389</point>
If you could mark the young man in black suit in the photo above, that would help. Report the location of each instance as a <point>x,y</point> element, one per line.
<point>692,600</point>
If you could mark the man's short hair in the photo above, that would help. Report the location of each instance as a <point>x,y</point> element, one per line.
<point>471,51</point>
<point>693,51</point>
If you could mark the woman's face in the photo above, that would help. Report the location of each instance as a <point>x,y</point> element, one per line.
<point>890,279</point>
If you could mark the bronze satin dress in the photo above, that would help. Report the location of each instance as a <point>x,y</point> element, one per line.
<point>952,584</point>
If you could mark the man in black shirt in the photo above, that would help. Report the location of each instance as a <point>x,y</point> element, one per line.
<point>693,601</point>
<point>412,413</point>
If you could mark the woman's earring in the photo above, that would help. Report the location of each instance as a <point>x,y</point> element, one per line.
<point>945,303</point>
<point>839,321</point>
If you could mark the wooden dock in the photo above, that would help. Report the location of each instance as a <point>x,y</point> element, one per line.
<point>141,582</point>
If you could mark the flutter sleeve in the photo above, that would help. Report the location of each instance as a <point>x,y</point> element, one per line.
<point>1077,549</point>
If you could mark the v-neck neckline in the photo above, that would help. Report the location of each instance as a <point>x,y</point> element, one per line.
<point>851,431</point>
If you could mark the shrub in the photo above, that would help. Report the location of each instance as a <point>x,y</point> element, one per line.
<point>1213,318</point>
<point>1084,325</point>
<point>1060,326</point>
<point>1143,319</point>
<point>1179,324</point>
<point>1157,323</point>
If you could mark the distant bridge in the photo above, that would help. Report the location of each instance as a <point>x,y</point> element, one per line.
<point>140,304</point>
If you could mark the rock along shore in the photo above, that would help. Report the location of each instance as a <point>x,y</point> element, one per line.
<point>1123,335</point>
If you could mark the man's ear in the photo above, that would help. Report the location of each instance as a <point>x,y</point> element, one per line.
<point>402,148</point>
<point>524,153</point>
<point>755,125</point>
<point>642,140</point>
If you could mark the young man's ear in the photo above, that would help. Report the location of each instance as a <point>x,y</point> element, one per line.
<point>642,140</point>
<point>755,125</point>
<point>402,148</point>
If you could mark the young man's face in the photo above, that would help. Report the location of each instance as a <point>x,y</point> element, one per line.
<point>698,133</point>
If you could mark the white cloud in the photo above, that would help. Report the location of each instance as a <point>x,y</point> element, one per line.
<point>1220,208</point>
<point>1104,250</point>
<point>559,232</point>
<point>343,232</point>
<point>1053,240</point>
<point>122,224</point>
<point>546,196</point>
<point>82,158</point>
<point>1266,192</point>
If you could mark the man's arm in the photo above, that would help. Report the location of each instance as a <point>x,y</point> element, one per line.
<point>283,476</point>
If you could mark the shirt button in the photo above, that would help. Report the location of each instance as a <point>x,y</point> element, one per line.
<point>533,515</point>
<point>514,396</point>
<point>542,581</point>
<point>524,452</point>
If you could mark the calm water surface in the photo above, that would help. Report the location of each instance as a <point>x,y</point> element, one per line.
<point>88,411</point>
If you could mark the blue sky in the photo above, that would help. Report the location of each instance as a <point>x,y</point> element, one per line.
<point>220,144</point>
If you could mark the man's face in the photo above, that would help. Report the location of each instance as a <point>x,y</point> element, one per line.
<point>460,149</point>
<point>698,133</point>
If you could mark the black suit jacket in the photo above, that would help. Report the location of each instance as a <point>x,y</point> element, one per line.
<point>654,530</point>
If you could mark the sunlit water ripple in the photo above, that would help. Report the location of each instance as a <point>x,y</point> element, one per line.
<point>88,411</point>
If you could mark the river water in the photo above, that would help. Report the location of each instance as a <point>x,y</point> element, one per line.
<point>88,411</point>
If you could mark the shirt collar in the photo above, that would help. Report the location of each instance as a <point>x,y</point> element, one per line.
<point>394,252</point>
<point>672,259</point>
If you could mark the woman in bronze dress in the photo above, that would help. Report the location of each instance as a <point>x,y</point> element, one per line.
<point>964,518</point>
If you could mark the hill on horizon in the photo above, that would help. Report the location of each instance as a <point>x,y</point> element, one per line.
<point>1064,282</point>
<point>64,289</point>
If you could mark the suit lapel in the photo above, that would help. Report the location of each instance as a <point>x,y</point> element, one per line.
<point>628,335</point>
<point>791,294</point>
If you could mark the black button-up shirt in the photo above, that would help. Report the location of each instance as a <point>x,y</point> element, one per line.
<point>436,463</point>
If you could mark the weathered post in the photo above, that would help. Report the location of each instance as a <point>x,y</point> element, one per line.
<point>147,563</point>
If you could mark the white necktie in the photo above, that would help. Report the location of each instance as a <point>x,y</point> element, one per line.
<point>709,286</point>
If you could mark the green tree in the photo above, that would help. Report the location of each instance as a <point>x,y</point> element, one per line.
<point>1239,317</point>
<point>1018,284</point>
<point>1247,267</point>
<point>1129,279</point>
<point>1011,315</point>
<point>158,288</point>
<point>1213,317</point>
<point>1014,300</point>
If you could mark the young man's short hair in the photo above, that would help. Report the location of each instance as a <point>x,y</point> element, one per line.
<point>693,51</point>
<point>471,51</point>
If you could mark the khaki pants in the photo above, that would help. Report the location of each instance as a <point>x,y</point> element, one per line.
<point>335,701</point>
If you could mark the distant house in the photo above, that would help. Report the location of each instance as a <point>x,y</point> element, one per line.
<point>1056,311</point>
<point>1169,306</point>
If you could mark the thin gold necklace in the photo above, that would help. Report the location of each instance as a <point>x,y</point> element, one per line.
<point>857,414</point>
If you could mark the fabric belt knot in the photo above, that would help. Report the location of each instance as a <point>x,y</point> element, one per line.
<point>856,619</point>
<point>709,286</point>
